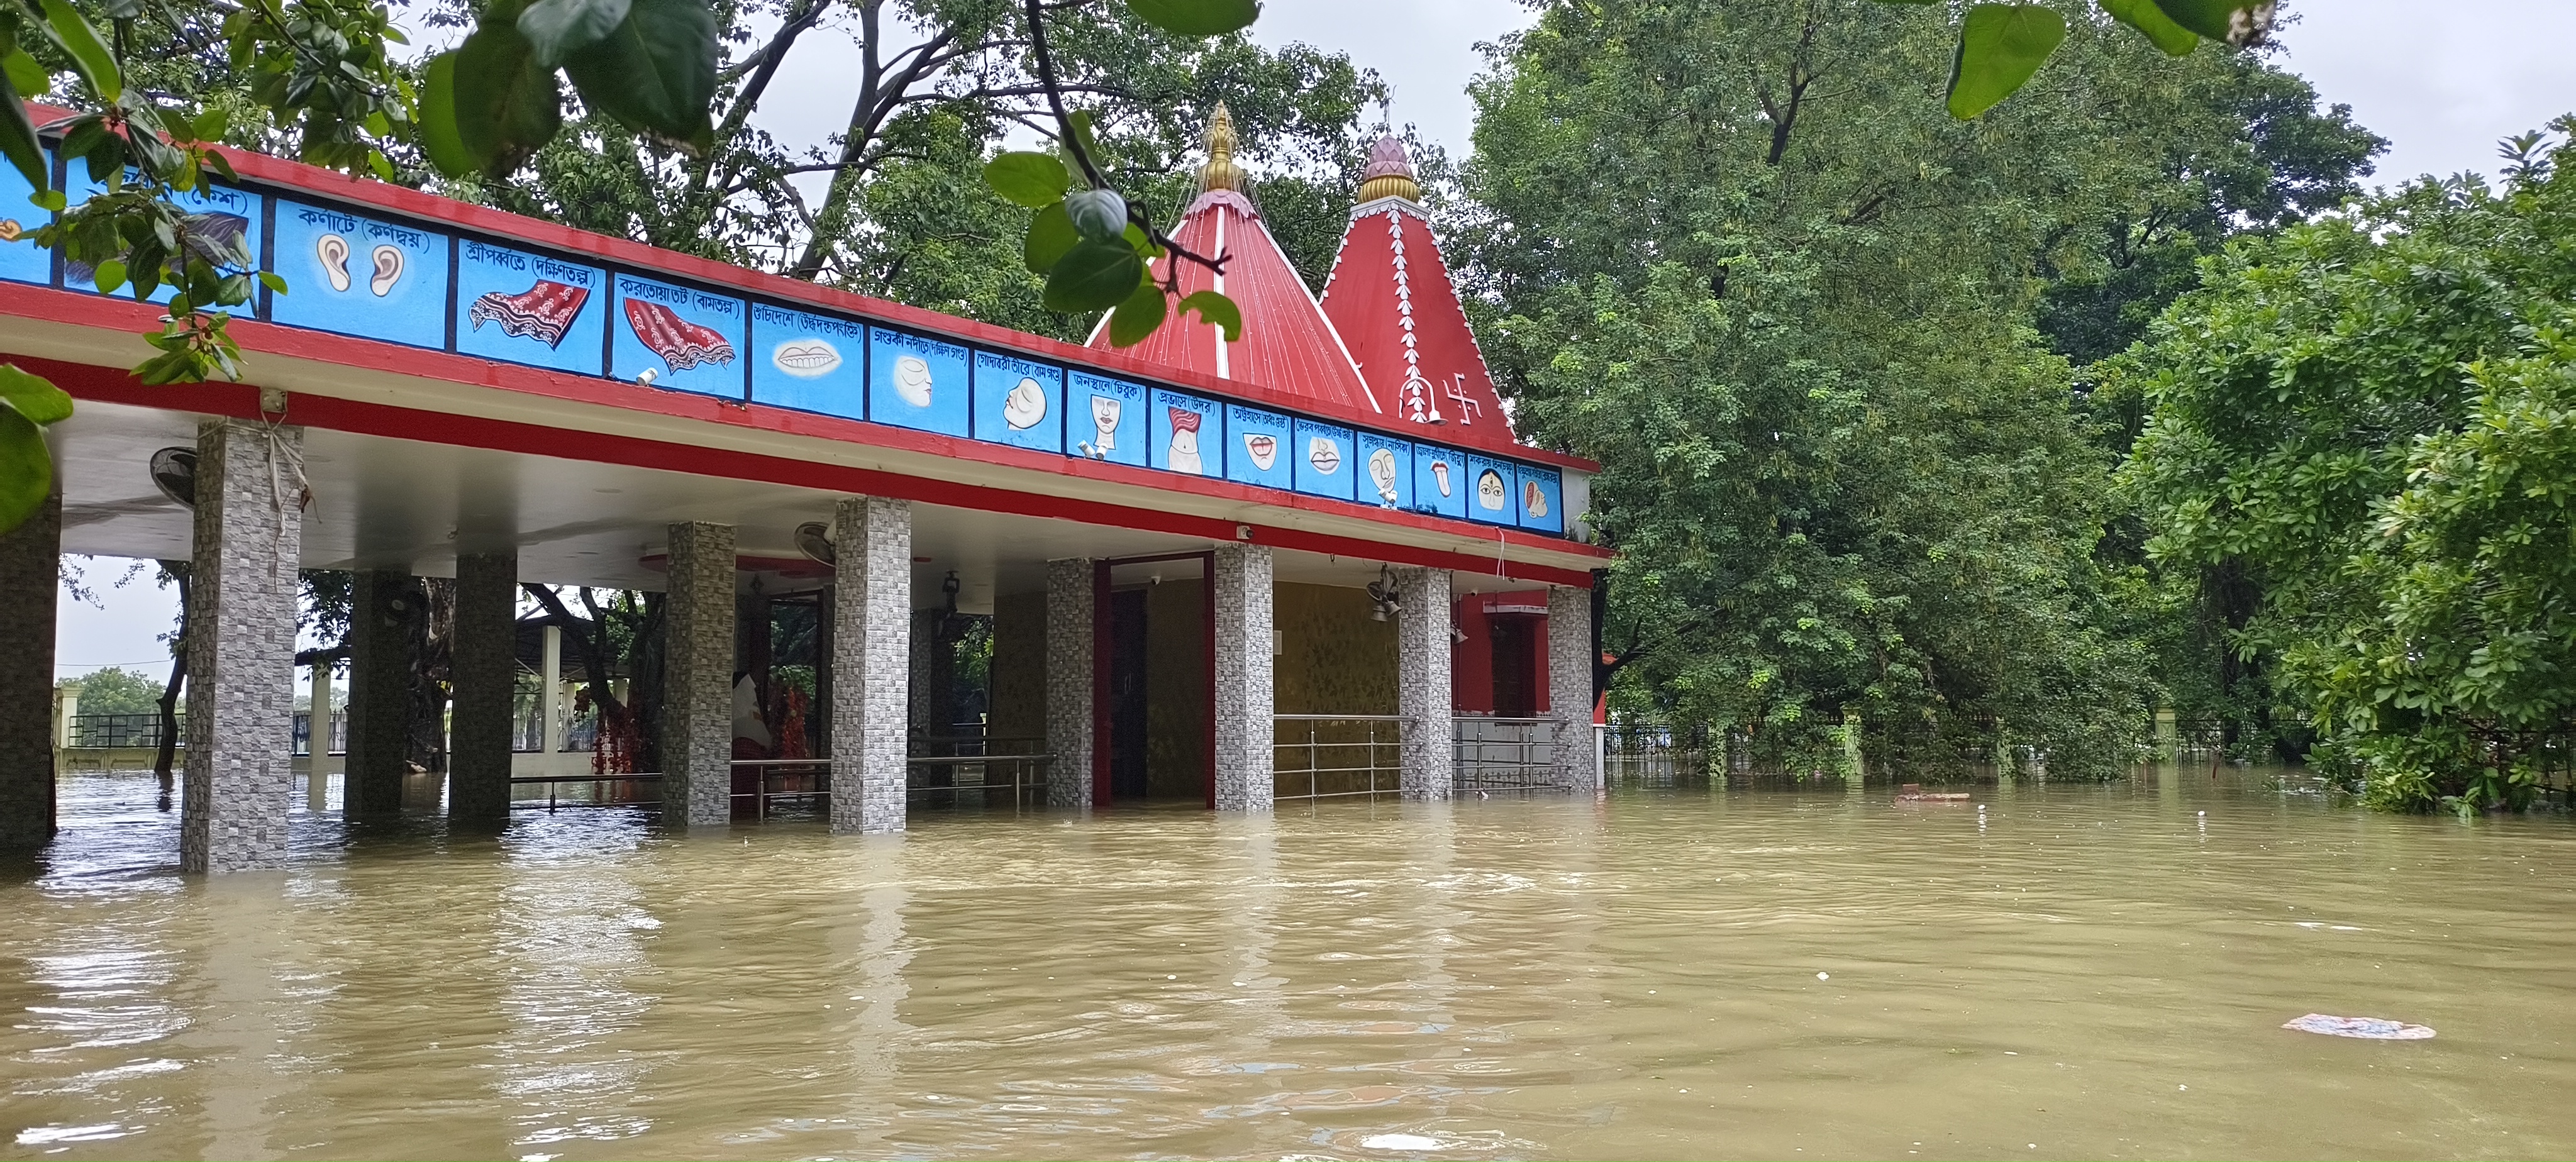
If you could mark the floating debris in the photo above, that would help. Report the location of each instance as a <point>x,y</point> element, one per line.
<point>2367,1028</point>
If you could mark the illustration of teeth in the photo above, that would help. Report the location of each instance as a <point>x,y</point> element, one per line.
<point>333,250</point>
<point>912,380</point>
<point>805,358</point>
<point>1264,449</point>
<point>389,268</point>
<point>1321,453</point>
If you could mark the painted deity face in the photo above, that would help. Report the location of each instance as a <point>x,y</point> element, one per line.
<point>1489,490</point>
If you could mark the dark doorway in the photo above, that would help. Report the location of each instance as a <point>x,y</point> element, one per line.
<point>1515,657</point>
<point>1127,701</point>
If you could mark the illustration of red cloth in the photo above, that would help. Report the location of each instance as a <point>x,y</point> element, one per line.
<point>680,343</point>
<point>543,312</point>
<point>1183,421</point>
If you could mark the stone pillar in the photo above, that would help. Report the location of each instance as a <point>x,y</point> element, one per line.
<point>697,677</point>
<point>933,683</point>
<point>485,676</point>
<point>871,661</point>
<point>379,694</point>
<point>30,576</point>
<point>550,698</point>
<point>1072,639</point>
<point>1244,706</point>
<point>317,715</point>
<point>1570,659</point>
<point>1422,692</point>
<point>241,647</point>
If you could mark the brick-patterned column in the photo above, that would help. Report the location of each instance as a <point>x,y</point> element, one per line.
<point>241,647</point>
<point>379,693</point>
<point>1569,688</point>
<point>30,576</point>
<point>697,677</point>
<point>871,661</point>
<point>1423,697</point>
<point>1072,636</point>
<point>1244,703</point>
<point>486,676</point>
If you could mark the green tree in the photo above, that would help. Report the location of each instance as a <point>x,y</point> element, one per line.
<point>115,690</point>
<point>2370,415</point>
<point>1729,248</point>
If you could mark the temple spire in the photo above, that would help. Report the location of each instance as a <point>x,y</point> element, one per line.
<point>1390,172</point>
<point>1220,172</point>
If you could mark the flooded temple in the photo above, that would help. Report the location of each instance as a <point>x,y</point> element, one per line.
<point>1311,561</point>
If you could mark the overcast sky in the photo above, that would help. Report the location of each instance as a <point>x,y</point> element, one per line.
<point>2442,81</point>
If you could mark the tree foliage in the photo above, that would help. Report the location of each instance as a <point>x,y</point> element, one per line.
<point>2371,413</point>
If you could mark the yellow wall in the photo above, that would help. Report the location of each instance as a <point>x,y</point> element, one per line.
<point>1176,690</point>
<point>1019,670</point>
<point>1334,659</point>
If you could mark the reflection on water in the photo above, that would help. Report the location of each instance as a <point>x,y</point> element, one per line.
<point>2068,971</point>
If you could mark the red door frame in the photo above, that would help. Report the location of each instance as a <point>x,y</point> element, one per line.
<point>1100,646</point>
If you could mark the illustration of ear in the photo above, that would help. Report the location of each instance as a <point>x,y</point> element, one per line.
<point>389,268</point>
<point>333,250</point>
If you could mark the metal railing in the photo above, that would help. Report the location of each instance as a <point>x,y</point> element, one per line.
<point>597,797</point>
<point>121,730</point>
<point>1332,756</point>
<point>335,739</point>
<point>984,776</point>
<point>1506,754</point>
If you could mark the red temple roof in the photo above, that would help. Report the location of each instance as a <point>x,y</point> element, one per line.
<point>1287,344</point>
<point>1391,301</point>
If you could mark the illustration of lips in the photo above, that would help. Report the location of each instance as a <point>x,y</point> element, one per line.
<point>1264,449</point>
<point>1440,475</point>
<point>805,358</point>
<point>1489,490</point>
<point>1533,498</point>
<point>1025,406</point>
<point>388,259</point>
<point>679,342</point>
<point>1321,453</point>
<point>912,380</point>
<point>1382,471</point>
<point>333,251</point>
<point>542,312</point>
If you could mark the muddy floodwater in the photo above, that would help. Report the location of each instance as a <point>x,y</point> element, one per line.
<point>2072,971</point>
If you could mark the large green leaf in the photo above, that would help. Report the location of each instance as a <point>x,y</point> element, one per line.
<point>72,32</point>
<point>26,468</point>
<point>33,396</point>
<point>2000,47</point>
<point>25,74</point>
<point>1093,276</point>
<point>506,103</point>
<point>1196,17</point>
<point>1051,235</point>
<point>439,136</point>
<point>558,28</point>
<point>1035,180</point>
<point>2143,15</point>
<point>1100,215</point>
<point>1215,308</point>
<point>2238,22</point>
<point>18,137</point>
<point>1138,316</point>
<point>656,73</point>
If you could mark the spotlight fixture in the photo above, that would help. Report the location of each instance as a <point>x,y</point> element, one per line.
<point>174,472</point>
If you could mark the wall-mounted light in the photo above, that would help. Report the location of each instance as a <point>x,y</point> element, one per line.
<point>174,472</point>
<point>1384,597</point>
<point>815,540</point>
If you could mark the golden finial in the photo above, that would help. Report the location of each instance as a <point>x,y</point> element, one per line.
<point>1220,172</point>
<point>1389,173</point>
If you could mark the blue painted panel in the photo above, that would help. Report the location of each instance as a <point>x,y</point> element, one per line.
<point>212,211</point>
<point>915,381</point>
<point>1188,434</point>
<point>1490,485</point>
<point>1258,447</point>
<point>1386,471</point>
<point>677,337</point>
<point>1327,460</point>
<point>1440,484</point>
<point>1104,419</point>
<point>810,362</point>
<point>360,276</point>
<point>20,260</point>
<point>529,308</point>
<point>1019,402</point>
<point>1540,501</point>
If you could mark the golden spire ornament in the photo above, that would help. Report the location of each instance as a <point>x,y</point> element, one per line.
<point>1220,172</point>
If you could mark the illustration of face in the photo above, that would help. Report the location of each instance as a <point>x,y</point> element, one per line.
<point>1382,470</point>
<point>1489,490</point>
<point>912,380</point>
<point>1104,416</point>
<point>1025,406</point>
<point>1322,453</point>
<point>1264,449</point>
<point>805,358</point>
<point>1440,475</point>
